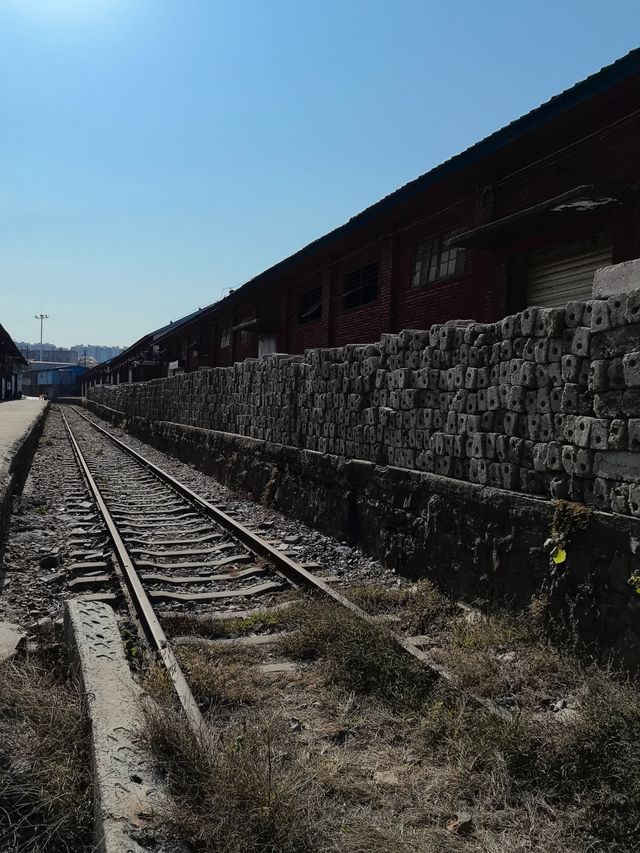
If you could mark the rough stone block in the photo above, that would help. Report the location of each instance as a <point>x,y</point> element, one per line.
<point>569,459</point>
<point>608,404</point>
<point>616,279</point>
<point>528,321</point>
<point>514,451</point>
<point>598,375</point>
<point>555,399</point>
<point>582,434</point>
<point>570,367</point>
<point>631,403</point>
<point>510,475</point>
<point>634,500</point>
<point>573,314</point>
<point>555,349</point>
<point>600,315</point>
<point>529,349</point>
<point>631,369</point>
<point>487,420</point>
<point>580,344</point>
<point>633,433</point>
<point>530,481</point>
<point>619,498</point>
<point>544,401</point>
<point>542,375</point>
<point>540,451</point>
<point>558,488</point>
<point>615,374</point>
<point>531,402</point>
<point>602,494</point>
<point>570,394</point>
<point>511,423</point>
<point>621,465</point>
<point>614,342</point>
<point>554,456</point>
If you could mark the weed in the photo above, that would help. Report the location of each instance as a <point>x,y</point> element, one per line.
<point>45,778</point>
<point>501,655</point>
<point>222,677</point>
<point>358,655</point>
<point>241,791</point>
<point>569,520</point>
<point>418,607</point>
<point>586,765</point>
<point>258,622</point>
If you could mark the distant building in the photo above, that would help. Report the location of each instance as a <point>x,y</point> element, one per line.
<point>56,380</point>
<point>68,355</point>
<point>49,352</point>
<point>99,353</point>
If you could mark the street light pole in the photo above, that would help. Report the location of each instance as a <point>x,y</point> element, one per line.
<point>42,318</point>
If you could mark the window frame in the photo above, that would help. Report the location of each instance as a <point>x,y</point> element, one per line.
<point>436,259</point>
<point>361,286</point>
<point>312,295</point>
<point>226,337</point>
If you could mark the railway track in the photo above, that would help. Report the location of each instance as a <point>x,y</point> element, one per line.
<point>213,595</point>
<point>151,539</point>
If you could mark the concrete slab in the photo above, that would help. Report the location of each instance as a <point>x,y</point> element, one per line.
<point>617,278</point>
<point>21,423</point>
<point>126,790</point>
<point>10,636</point>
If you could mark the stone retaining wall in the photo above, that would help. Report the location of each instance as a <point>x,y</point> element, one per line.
<point>481,544</point>
<point>545,402</point>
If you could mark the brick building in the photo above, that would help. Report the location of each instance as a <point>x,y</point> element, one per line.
<point>13,366</point>
<point>522,217</point>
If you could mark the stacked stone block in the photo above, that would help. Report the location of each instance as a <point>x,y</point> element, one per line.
<point>546,401</point>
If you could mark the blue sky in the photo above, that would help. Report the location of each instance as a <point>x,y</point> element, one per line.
<point>155,152</point>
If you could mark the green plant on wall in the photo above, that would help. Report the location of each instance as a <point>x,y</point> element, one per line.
<point>570,520</point>
<point>634,581</point>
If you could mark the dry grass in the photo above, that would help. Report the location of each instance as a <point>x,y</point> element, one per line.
<point>390,775</point>
<point>218,677</point>
<point>419,608</point>
<point>357,655</point>
<point>45,776</point>
<point>576,777</point>
<point>502,656</point>
<point>242,791</point>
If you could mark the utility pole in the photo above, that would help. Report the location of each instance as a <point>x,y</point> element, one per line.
<point>42,318</point>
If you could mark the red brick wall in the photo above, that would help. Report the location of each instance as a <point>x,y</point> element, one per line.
<point>597,142</point>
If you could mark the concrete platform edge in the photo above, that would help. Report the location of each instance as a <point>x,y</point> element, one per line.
<point>125,789</point>
<point>12,478</point>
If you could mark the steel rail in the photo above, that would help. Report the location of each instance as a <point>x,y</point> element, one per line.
<point>291,570</point>
<point>144,608</point>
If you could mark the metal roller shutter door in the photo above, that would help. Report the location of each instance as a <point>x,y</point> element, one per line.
<point>557,278</point>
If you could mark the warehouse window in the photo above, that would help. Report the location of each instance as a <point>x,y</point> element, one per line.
<point>310,305</point>
<point>433,259</point>
<point>225,338</point>
<point>360,286</point>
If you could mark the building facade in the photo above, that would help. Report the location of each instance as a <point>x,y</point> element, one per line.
<point>13,367</point>
<point>523,217</point>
